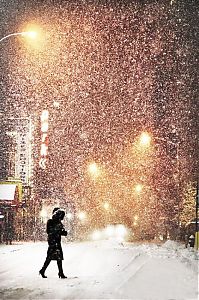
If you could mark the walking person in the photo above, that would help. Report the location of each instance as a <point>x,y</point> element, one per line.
<point>55,230</point>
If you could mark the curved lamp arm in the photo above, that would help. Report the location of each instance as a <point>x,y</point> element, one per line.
<point>30,34</point>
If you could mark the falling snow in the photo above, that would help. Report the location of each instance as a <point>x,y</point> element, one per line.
<point>107,71</point>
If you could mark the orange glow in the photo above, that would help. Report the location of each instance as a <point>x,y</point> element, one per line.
<point>138,188</point>
<point>33,36</point>
<point>106,205</point>
<point>82,215</point>
<point>30,34</point>
<point>44,138</point>
<point>93,169</point>
<point>145,139</point>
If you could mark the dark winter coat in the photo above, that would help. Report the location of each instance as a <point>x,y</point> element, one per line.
<point>55,230</point>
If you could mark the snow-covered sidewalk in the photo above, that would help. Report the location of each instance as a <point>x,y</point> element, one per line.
<point>100,270</point>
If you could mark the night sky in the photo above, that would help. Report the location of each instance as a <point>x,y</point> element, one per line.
<point>106,71</point>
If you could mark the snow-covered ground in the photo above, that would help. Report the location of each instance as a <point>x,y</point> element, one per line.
<point>100,270</point>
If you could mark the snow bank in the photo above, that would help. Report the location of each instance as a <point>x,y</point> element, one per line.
<point>189,256</point>
<point>170,249</point>
<point>173,245</point>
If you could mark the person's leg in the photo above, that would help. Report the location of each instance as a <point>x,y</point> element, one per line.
<point>43,269</point>
<point>60,268</point>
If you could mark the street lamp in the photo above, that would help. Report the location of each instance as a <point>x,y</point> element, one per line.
<point>23,157</point>
<point>138,188</point>
<point>145,139</point>
<point>29,34</point>
<point>93,170</point>
<point>135,221</point>
<point>172,143</point>
<point>197,228</point>
<point>82,216</point>
<point>106,205</point>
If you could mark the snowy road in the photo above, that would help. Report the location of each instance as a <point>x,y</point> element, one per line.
<point>100,270</point>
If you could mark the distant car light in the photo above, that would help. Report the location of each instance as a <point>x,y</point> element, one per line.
<point>96,235</point>
<point>118,232</point>
<point>121,230</point>
<point>109,231</point>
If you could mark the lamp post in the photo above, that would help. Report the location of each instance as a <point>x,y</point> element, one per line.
<point>197,228</point>
<point>146,139</point>
<point>22,165</point>
<point>138,188</point>
<point>176,174</point>
<point>30,34</point>
<point>93,170</point>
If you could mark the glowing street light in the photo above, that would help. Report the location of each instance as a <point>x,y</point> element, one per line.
<point>30,34</point>
<point>93,169</point>
<point>138,188</point>
<point>44,139</point>
<point>82,215</point>
<point>96,235</point>
<point>135,220</point>
<point>145,139</point>
<point>106,205</point>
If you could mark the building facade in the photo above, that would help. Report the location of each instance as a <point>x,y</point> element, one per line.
<point>16,165</point>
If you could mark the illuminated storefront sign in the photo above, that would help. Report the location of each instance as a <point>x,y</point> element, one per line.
<point>44,139</point>
<point>20,163</point>
<point>10,192</point>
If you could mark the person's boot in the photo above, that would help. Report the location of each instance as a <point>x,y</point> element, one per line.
<point>41,272</point>
<point>61,273</point>
<point>43,269</point>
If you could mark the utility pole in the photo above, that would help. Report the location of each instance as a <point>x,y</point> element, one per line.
<point>197,229</point>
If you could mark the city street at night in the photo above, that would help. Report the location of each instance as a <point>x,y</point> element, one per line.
<point>99,149</point>
<point>100,270</point>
